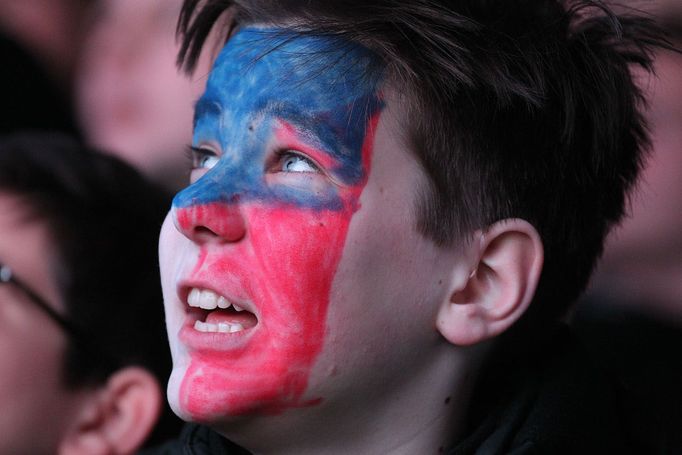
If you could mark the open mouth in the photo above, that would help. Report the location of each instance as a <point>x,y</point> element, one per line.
<point>216,314</point>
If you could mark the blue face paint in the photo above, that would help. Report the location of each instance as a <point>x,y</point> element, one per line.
<point>267,81</point>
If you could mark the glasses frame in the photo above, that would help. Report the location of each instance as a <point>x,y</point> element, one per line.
<point>7,276</point>
<point>83,341</point>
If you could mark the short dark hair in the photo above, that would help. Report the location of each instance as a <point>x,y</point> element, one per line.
<point>104,219</point>
<point>516,109</point>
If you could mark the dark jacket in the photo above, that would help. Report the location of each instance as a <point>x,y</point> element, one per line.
<point>197,440</point>
<point>548,401</point>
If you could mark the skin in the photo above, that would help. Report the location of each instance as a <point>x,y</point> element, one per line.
<point>131,99</point>
<point>31,345</point>
<point>302,211</point>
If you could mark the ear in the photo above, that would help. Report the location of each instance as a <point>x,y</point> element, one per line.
<point>117,418</point>
<point>504,275</point>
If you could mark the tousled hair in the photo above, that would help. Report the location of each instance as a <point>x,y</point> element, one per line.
<point>515,109</point>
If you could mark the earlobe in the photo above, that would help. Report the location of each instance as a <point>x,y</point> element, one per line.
<point>499,288</point>
<point>117,418</point>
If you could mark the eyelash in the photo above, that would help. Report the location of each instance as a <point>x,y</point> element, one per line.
<point>196,154</point>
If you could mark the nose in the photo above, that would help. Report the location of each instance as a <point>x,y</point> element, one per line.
<point>213,222</point>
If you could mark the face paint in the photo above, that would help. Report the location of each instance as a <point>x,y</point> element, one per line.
<point>292,121</point>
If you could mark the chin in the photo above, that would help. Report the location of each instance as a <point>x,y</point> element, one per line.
<point>173,395</point>
<point>180,397</point>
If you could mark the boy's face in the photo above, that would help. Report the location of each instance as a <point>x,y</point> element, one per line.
<point>301,214</point>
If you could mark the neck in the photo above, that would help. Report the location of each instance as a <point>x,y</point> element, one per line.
<point>421,412</point>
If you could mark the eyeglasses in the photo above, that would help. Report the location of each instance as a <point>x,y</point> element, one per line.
<point>83,341</point>
<point>7,276</point>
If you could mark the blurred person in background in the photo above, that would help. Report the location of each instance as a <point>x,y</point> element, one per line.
<point>131,100</point>
<point>643,258</point>
<point>49,30</point>
<point>631,318</point>
<point>82,337</point>
<point>30,98</point>
<point>39,42</point>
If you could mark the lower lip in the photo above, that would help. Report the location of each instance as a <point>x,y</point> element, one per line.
<point>212,341</point>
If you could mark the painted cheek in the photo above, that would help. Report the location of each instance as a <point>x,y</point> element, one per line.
<point>286,270</point>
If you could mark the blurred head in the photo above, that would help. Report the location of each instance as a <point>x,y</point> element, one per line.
<point>131,100</point>
<point>51,30</point>
<point>82,329</point>
<point>26,93</point>
<point>641,263</point>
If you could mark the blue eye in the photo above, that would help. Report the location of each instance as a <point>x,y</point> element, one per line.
<point>203,158</point>
<point>293,162</point>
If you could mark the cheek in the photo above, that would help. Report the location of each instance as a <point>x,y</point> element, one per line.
<point>286,267</point>
<point>298,252</point>
<point>30,383</point>
<point>31,347</point>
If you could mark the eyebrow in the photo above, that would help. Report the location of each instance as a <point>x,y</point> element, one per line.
<point>206,107</point>
<point>309,125</point>
<point>315,126</point>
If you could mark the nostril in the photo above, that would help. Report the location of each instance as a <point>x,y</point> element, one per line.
<point>200,229</point>
<point>213,222</point>
<point>202,232</point>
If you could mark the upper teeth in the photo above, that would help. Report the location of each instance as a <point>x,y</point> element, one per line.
<point>209,300</point>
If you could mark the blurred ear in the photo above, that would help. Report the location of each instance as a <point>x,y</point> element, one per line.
<point>499,288</point>
<point>117,418</point>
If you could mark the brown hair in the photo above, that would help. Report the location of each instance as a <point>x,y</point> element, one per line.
<point>523,109</point>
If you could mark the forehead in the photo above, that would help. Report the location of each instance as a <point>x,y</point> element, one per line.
<point>259,66</point>
<point>303,92</point>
